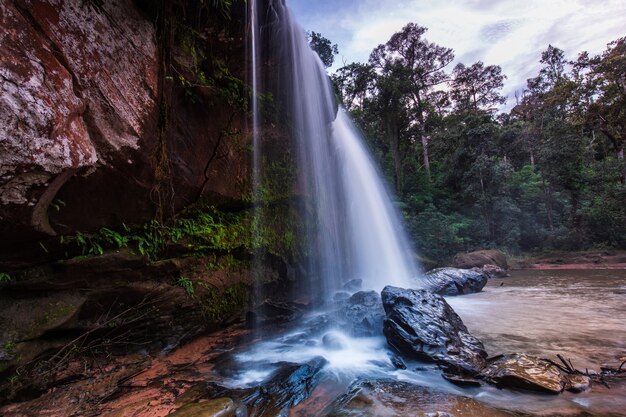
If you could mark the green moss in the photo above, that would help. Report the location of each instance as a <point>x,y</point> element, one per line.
<point>218,306</point>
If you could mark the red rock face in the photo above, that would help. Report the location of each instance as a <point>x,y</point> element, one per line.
<point>78,84</point>
<point>42,132</point>
<point>79,122</point>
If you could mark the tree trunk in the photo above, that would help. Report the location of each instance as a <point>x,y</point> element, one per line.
<point>394,142</point>
<point>620,158</point>
<point>425,154</point>
<point>576,221</point>
<point>548,201</point>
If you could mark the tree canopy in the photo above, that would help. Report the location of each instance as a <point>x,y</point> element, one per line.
<point>548,174</point>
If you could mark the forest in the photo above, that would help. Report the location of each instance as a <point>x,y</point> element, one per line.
<point>547,175</point>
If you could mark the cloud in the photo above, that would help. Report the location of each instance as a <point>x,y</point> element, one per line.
<point>509,33</point>
<point>495,31</point>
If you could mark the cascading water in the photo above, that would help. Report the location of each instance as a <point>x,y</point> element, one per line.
<point>355,232</point>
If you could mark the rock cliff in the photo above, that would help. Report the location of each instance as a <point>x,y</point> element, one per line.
<point>109,114</point>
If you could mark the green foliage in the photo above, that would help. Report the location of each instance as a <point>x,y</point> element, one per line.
<point>4,277</point>
<point>187,285</point>
<point>9,347</point>
<point>437,235</point>
<point>324,48</point>
<point>549,175</point>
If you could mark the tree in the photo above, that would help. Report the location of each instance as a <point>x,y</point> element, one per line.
<point>325,49</point>
<point>608,87</point>
<point>477,87</point>
<point>354,83</point>
<point>417,66</point>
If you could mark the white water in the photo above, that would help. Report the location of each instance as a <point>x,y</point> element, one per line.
<point>356,232</point>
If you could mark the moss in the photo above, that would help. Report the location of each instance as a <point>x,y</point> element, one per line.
<point>218,306</point>
<point>53,313</point>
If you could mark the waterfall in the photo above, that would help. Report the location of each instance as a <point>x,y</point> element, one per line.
<point>355,232</point>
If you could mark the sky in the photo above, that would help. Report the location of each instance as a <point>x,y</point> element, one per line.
<point>509,33</point>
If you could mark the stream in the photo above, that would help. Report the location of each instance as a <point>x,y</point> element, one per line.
<point>578,314</point>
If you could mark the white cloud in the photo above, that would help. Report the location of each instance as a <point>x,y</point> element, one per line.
<point>509,33</point>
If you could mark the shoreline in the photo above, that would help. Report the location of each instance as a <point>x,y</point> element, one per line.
<point>572,266</point>
<point>571,261</point>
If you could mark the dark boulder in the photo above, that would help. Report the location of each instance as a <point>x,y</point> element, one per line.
<point>524,372</point>
<point>291,384</point>
<point>481,258</point>
<point>276,312</point>
<point>362,314</point>
<point>454,281</point>
<point>422,325</point>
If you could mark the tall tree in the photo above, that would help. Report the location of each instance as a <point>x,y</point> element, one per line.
<point>418,67</point>
<point>608,86</point>
<point>477,87</point>
<point>354,83</point>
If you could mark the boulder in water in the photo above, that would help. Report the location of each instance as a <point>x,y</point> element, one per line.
<point>385,397</point>
<point>422,325</point>
<point>524,372</point>
<point>455,281</point>
<point>362,314</point>
<point>481,258</point>
<point>491,271</point>
<point>285,388</point>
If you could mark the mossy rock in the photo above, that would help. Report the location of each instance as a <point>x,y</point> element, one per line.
<point>220,407</point>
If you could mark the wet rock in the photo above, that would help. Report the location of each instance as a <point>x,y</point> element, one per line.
<point>391,398</point>
<point>277,312</point>
<point>422,325</point>
<point>461,381</point>
<point>396,361</point>
<point>220,407</point>
<point>285,388</point>
<point>577,383</point>
<point>353,285</point>
<point>331,340</point>
<point>481,258</point>
<point>455,281</point>
<point>362,314</point>
<point>523,372</point>
<point>341,297</point>
<point>491,271</point>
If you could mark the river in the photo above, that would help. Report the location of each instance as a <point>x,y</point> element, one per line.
<point>580,314</point>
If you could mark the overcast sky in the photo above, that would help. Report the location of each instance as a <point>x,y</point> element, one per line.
<point>509,33</point>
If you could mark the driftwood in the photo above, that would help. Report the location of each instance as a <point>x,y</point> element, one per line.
<point>606,374</point>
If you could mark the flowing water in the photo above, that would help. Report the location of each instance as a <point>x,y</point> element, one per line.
<point>354,230</point>
<point>579,314</point>
<point>355,233</point>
